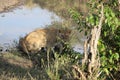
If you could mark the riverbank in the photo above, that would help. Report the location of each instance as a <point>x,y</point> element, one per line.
<point>8,5</point>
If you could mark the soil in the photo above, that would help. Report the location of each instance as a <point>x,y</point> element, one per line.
<point>8,5</point>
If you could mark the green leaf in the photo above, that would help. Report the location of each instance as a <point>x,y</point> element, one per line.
<point>111,59</point>
<point>110,51</point>
<point>112,14</point>
<point>105,33</point>
<point>106,70</point>
<point>116,21</point>
<point>116,56</point>
<point>106,21</point>
<point>107,14</point>
<point>103,58</point>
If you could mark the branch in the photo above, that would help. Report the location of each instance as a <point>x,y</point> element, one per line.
<point>101,19</point>
<point>80,72</point>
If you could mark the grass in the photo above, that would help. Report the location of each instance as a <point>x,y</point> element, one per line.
<point>14,66</point>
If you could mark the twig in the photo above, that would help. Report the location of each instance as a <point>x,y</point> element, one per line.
<point>80,72</point>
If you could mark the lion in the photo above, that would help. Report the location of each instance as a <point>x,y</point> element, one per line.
<point>43,38</point>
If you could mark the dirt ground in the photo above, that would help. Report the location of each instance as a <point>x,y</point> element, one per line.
<point>7,5</point>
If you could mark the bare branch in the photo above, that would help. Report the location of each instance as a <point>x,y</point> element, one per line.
<point>80,72</point>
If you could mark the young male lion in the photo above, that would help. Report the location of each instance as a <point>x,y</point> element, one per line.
<point>43,38</point>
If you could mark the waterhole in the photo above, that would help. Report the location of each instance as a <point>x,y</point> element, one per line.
<point>22,20</point>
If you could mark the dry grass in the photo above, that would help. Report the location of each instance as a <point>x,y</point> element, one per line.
<point>17,60</point>
<point>14,66</point>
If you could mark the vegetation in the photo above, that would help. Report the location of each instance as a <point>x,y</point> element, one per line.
<point>101,58</point>
<point>19,67</point>
<point>102,17</point>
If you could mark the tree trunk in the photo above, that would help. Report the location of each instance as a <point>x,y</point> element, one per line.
<point>91,54</point>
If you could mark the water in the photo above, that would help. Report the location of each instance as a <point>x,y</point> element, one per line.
<point>23,20</point>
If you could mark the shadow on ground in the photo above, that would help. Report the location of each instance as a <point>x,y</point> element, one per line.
<point>10,68</point>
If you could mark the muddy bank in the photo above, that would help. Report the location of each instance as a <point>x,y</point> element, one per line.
<point>7,5</point>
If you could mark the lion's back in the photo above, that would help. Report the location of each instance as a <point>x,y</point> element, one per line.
<point>39,38</point>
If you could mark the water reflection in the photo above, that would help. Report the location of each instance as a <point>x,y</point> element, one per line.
<point>23,20</point>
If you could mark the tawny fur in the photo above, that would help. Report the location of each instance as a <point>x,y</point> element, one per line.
<point>34,41</point>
